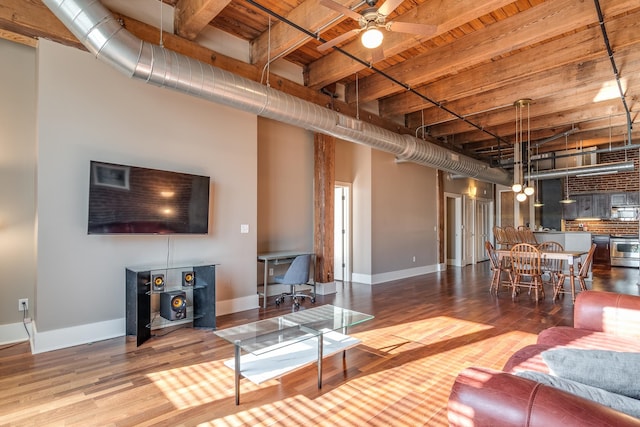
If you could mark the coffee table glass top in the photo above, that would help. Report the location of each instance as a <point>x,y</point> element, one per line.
<point>265,335</point>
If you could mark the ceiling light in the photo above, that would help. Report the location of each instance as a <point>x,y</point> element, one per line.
<point>518,171</point>
<point>567,199</point>
<point>372,38</point>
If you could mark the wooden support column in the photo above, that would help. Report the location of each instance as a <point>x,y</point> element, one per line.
<point>324,180</point>
<point>442,257</point>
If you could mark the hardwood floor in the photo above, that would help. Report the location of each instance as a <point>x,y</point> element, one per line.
<point>426,330</point>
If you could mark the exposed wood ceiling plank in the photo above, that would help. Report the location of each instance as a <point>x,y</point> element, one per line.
<point>538,24</point>
<point>445,14</point>
<point>594,78</point>
<point>192,16</point>
<point>310,15</point>
<point>510,71</point>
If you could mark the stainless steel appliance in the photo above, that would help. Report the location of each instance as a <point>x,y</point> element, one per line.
<point>625,251</point>
<point>625,213</point>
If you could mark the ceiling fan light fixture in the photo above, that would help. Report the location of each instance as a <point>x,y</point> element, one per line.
<point>372,38</point>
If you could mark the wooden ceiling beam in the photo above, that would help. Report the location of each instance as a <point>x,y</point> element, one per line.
<point>573,84</point>
<point>529,64</point>
<point>445,14</point>
<point>536,25</point>
<point>33,19</point>
<point>192,16</point>
<point>282,38</point>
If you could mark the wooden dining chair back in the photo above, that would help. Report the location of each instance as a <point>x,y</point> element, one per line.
<point>500,236</point>
<point>527,236</point>
<point>526,269</point>
<point>511,235</point>
<point>551,268</point>
<point>498,269</point>
<point>583,272</point>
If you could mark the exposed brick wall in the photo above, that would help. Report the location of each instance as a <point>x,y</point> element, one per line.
<point>618,183</point>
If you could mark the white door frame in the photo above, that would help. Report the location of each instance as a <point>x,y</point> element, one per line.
<point>456,229</point>
<point>342,236</point>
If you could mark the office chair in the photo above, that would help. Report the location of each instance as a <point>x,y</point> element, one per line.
<point>297,274</point>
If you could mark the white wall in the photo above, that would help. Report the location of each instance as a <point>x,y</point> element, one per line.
<point>87,111</point>
<point>17,185</point>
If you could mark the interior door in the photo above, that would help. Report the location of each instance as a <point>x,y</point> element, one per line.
<point>341,251</point>
<point>484,225</point>
<point>453,229</point>
<point>468,229</point>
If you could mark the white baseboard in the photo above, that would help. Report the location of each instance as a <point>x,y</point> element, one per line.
<point>326,288</point>
<point>237,304</point>
<point>76,335</point>
<point>14,333</point>
<point>375,279</point>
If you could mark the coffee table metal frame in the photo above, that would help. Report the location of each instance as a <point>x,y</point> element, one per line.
<point>304,326</point>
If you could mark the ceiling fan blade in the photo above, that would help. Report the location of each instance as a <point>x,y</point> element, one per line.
<point>389,6</point>
<point>342,37</point>
<point>377,54</point>
<point>340,8</point>
<point>409,27</point>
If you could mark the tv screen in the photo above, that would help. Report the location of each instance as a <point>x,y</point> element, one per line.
<point>134,200</point>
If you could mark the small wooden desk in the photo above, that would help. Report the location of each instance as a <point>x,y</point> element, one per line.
<point>282,257</point>
<point>569,256</point>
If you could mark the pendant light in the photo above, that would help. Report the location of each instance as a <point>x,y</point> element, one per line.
<point>518,175</point>
<point>537,203</point>
<point>567,199</point>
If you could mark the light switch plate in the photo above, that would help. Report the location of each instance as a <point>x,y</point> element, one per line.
<point>244,228</point>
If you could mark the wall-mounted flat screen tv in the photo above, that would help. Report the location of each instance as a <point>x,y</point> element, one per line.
<point>134,200</point>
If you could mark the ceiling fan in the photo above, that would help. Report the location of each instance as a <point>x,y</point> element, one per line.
<point>371,20</point>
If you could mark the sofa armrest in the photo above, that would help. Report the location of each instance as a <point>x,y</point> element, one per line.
<point>486,397</point>
<point>609,312</point>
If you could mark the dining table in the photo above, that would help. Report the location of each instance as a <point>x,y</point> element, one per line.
<point>569,256</point>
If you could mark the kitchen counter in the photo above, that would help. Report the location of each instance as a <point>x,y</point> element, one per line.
<point>570,240</point>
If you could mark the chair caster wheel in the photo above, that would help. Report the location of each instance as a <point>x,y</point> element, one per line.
<point>297,305</point>
<point>313,300</point>
<point>277,301</point>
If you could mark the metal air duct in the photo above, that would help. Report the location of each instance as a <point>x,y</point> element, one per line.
<point>97,29</point>
<point>606,168</point>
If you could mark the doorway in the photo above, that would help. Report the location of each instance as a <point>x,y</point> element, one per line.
<point>342,233</point>
<point>453,228</point>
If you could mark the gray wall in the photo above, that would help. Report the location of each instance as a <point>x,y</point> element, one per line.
<point>87,111</point>
<point>17,185</point>
<point>261,171</point>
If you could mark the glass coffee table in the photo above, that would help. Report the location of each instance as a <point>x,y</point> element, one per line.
<point>280,345</point>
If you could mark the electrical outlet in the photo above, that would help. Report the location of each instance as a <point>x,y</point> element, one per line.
<point>270,271</point>
<point>23,304</point>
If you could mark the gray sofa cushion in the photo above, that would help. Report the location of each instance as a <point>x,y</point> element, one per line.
<point>617,372</point>
<point>615,401</point>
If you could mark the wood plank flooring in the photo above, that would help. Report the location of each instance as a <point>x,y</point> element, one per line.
<point>426,330</point>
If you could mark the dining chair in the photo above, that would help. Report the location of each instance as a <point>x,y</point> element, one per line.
<point>551,267</point>
<point>498,269</point>
<point>526,269</point>
<point>500,236</point>
<point>511,235</point>
<point>583,273</point>
<point>527,236</point>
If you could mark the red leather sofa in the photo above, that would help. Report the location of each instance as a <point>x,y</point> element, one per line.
<point>486,397</point>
